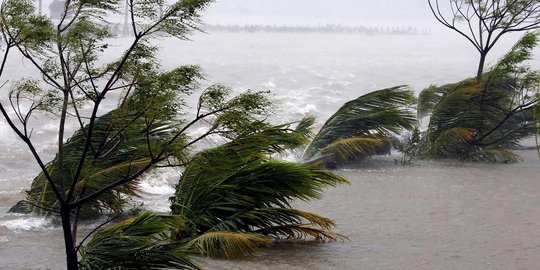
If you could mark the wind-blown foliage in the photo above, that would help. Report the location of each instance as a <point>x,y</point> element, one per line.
<point>363,127</point>
<point>125,141</point>
<point>230,200</point>
<point>142,242</point>
<point>227,244</point>
<point>102,161</point>
<point>98,167</point>
<point>237,192</point>
<point>130,137</point>
<point>481,119</point>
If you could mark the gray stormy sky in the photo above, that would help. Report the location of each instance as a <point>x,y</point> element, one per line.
<point>313,12</point>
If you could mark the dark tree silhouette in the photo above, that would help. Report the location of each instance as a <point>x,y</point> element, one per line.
<point>484,22</point>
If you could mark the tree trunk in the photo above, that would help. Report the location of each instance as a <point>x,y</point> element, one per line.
<point>481,65</point>
<point>71,254</point>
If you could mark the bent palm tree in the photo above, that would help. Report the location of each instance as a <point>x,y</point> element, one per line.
<point>230,200</point>
<point>479,119</point>
<point>362,127</point>
<point>237,191</point>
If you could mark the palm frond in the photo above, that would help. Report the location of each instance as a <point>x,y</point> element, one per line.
<point>451,142</point>
<point>429,98</point>
<point>304,127</point>
<point>123,154</point>
<point>317,227</point>
<point>146,244</point>
<point>228,245</point>
<point>488,114</point>
<point>253,196</point>
<point>301,232</point>
<point>238,187</point>
<point>376,114</point>
<point>348,149</point>
<point>494,154</point>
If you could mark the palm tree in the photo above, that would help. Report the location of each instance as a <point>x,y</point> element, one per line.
<point>237,191</point>
<point>480,119</point>
<point>364,126</point>
<point>230,200</point>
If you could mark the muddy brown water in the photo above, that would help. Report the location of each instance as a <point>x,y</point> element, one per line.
<point>433,215</point>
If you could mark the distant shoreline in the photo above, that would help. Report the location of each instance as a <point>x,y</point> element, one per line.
<point>319,29</point>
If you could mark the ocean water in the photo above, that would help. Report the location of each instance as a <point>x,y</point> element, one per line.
<point>434,215</point>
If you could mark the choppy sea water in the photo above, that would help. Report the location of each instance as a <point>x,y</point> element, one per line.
<point>434,215</point>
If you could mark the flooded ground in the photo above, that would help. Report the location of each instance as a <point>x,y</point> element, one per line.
<point>436,215</point>
<point>432,215</point>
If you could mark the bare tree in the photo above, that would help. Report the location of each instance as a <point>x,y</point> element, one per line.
<point>484,22</point>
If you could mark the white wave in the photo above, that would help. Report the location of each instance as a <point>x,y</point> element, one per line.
<point>156,188</point>
<point>27,224</point>
<point>160,183</point>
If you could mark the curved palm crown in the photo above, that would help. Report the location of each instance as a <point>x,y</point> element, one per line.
<point>480,119</point>
<point>229,201</point>
<point>238,188</point>
<point>362,127</point>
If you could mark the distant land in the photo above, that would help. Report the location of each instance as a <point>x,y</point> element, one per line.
<point>302,12</point>
<point>320,29</point>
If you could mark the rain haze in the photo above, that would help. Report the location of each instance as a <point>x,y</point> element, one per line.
<point>433,214</point>
<point>316,12</point>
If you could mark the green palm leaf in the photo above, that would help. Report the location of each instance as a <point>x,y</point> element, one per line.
<point>146,244</point>
<point>477,119</point>
<point>494,154</point>
<point>376,114</point>
<point>429,98</point>
<point>238,188</point>
<point>348,149</point>
<point>228,245</point>
<point>303,231</point>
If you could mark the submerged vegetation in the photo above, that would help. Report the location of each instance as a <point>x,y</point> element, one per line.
<point>364,126</point>
<point>475,119</point>
<point>230,200</point>
<point>481,120</point>
<point>236,196</point>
